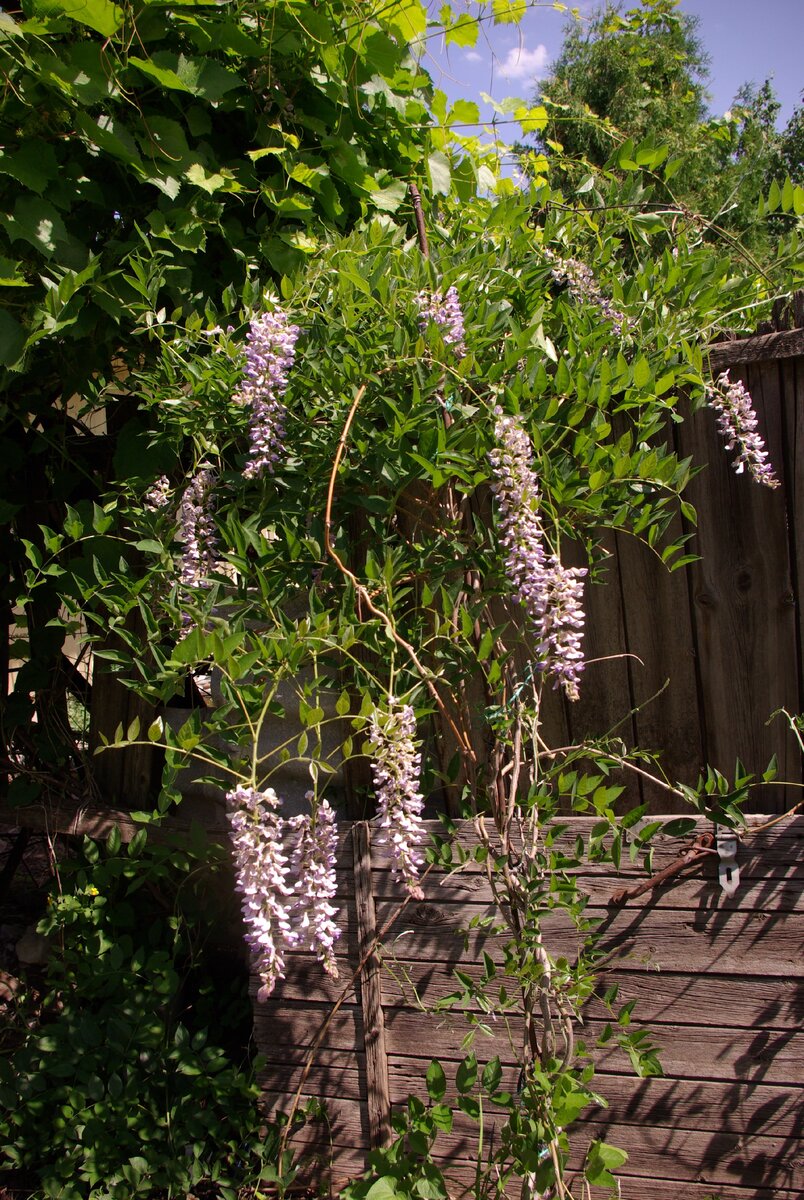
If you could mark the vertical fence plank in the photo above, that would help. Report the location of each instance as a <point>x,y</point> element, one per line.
<point>658,627</point>
<point>743,604</point>
<point>377,1086</point>
<point>792,461</point>
<point>606,698</point>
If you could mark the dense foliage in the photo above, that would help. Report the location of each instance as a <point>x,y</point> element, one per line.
<point>639,77</point>
<point>292,449</point>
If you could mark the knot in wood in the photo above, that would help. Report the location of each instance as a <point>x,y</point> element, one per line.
<point>426,914</point>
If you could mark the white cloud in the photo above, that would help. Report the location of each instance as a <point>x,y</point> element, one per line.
<point>473,56</point>
<point>521,63</point>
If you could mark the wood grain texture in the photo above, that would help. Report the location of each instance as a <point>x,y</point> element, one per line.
<point>719,986</point>
<point>743,604</point>
<point>765,347</point>
<point>377,1091</point>
<point>661,665</point>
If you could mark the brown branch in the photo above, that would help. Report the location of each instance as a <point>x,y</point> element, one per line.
<point>363,594</point>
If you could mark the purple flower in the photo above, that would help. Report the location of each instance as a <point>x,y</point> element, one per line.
<point>313,868</point>
<point>395,769</point>
<point>551,594</point>
<point>270,351</point>
<point>445,312</point>
<point>262,880</point>
<point>158,494</point>
<point>737,423</point>
<point>583,287</point>
<point>197,532</point>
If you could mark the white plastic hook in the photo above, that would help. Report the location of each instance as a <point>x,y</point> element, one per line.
<point>727,870</point>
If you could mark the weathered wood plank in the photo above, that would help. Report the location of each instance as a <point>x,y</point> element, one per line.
<point>667,1189</point>
<point>761,348</point>
<point>792,461</point>
<point>746,943</point>
<point>379,1100</point>
<point>605,695</point>
<point>758,852</point>
<point>690,1156</point>
<point>698,890</point>
<point>728,1107</point>
<point>682,1154</point>
<point>757,1056</point>
<point>743,611</point>
<point>668,998</point>
<point>661,668</point>
<point>715,1106</point>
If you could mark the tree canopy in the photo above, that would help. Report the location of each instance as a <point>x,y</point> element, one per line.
<point>641,74</point>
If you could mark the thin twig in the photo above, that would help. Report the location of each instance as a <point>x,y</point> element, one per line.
<point>418,212</point>
<point>364,595</point>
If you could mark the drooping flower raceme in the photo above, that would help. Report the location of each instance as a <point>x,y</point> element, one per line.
<point>270,351</point>
<point>395,770</point>
<point>445,312</point>
<point>551,594</point>
<point>313,868</point>
<point>158,495</point>
<point>583,286</point>
<point>197,532</point>
<point>737,423</point>
<point>262,880</point>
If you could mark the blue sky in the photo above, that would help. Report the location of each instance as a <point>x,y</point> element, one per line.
<point>747,40</point>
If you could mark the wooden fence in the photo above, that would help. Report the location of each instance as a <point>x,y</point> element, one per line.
<point>724,634</point>
<point>718,981</point>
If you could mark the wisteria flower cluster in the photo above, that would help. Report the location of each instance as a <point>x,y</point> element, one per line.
<point>737,423</point>
<point>313,867</point>
<point>395,770</point>
<point>197,532</point>
<point>583,286</point>
<point>158,495</point>
<point>270,351</point>
<point>283,901</point>
<point>551,594</point>
<point>445,312</point>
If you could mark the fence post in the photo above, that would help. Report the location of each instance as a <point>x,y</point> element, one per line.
<point>378,1092</point>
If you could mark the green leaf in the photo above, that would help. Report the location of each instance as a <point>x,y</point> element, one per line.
<point>492,1075</point>
<point>198,76</point>
<point>34,165</point>
<point>12,340</point>
<point>406,19</point>
<point>388,199</point>
<point>508,12</point>
<point>463,112</point>
<point>436,1080</point>
<point>466,1075</point>
<point>642,372</point>
<point>109,135</point>
<point>155,730</point>
<point>787,195</point>
<point>36,221</point>
<point>101,15</point>
<point>385,1189</point>
<point>440,173</point>
<point>680,827</point>
<point>137,843</point>
<point>462,32</point>
<point>601,1159</point>
<point>774,196</point>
